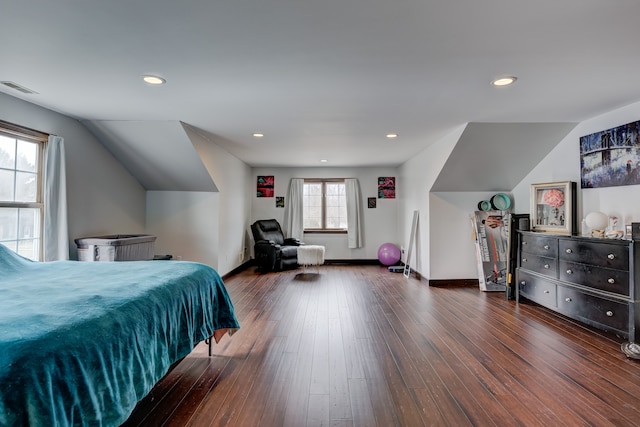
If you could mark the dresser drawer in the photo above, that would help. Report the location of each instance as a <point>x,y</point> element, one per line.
<point>616,281</point>
<point>536,289</point>
<point>540,245</point>
<point>539,264</point>
<point>594,310</point>
<point>601,254</point>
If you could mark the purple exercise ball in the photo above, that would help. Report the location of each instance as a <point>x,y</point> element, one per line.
<point>388,254</point>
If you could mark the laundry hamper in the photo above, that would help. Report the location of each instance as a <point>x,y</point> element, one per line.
<point>118,247</point>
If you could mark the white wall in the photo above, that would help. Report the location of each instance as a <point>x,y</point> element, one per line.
<point>233,179</point>
<point>207,227</point>
<point>417,176</point>
<point>186,224</point>
<point>451,242</point>
<point>379,224</point>
<point>563,164</point>
<point>103,198</point>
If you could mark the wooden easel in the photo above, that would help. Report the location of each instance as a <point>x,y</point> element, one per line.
<point>414,227</point>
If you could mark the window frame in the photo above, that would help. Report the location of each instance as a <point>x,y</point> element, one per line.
<point>22,133</point>
<point>324,230</point>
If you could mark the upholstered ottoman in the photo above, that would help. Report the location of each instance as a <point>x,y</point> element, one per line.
<point>311,255</point>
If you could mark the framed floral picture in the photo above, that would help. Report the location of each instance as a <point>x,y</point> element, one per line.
<point>553,208</point>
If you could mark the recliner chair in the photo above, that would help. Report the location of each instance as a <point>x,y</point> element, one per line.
<point>272,251</point>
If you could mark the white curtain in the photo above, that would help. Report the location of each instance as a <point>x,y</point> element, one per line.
<point>354,213</point>
<point>293,219</point>
<point>56,234</point>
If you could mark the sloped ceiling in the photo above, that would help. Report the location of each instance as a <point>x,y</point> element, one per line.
<point>158,154</point>
<point>497,156</point>
<point>487,156</point>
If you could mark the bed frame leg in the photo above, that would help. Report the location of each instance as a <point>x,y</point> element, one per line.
<point>209,341</point>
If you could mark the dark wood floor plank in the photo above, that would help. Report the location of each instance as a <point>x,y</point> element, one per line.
<point>466,389</point>
<point>276,397</point>
<point>339,396</point>
<point>192,399</point>
<point>360,346</point>
<point>320,379</point>
<point>497,382</point>
<point>222,391</point>
<point>260,363</point>
<point>149,405</point>
<point>582,372</point>
<point>405,409</point>
<point>265,376</point>
<point>348,327</point>
<point>572,407</point>
<point>296,412</point>
<point>495,391</point>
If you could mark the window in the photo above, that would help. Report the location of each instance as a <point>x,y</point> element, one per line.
<point>325,205</point>
<point>21,206</point>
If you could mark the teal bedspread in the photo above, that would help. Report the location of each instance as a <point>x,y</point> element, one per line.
<point>81,342</point>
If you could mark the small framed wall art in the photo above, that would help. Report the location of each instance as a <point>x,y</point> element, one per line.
<point>553,208</point>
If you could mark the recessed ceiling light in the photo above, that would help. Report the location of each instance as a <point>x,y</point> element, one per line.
<point>154,80</point>
<point>392,135</point>
<point>504,81</point>
<point>324,161</point>
<point>258,135</point>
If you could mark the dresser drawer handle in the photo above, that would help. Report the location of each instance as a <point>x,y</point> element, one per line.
<point>569,271</point>
<point>546,291</point>
<point>568,299</point>
<point>610,313</point>
<point>524,243</point>
<point>524,260</point>
<point>547,266</point>
<point>547,247</point>
<point>569,251</point>
<point>611,256</point>
<point>611,281</point>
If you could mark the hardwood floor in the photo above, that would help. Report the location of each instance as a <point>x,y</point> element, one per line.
<point>360,346</point>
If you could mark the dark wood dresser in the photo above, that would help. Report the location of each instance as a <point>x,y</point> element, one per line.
<point>596,281</point>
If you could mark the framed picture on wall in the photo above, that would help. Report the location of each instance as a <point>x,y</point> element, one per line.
<point>386,187</point>
<point>553,208</point>
<point>610,157</point>
<point>265,186</point>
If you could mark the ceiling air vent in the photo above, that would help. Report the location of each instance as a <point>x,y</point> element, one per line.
<point>17,87</point>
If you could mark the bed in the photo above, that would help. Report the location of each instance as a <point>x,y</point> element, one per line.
<point>81,343</point>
